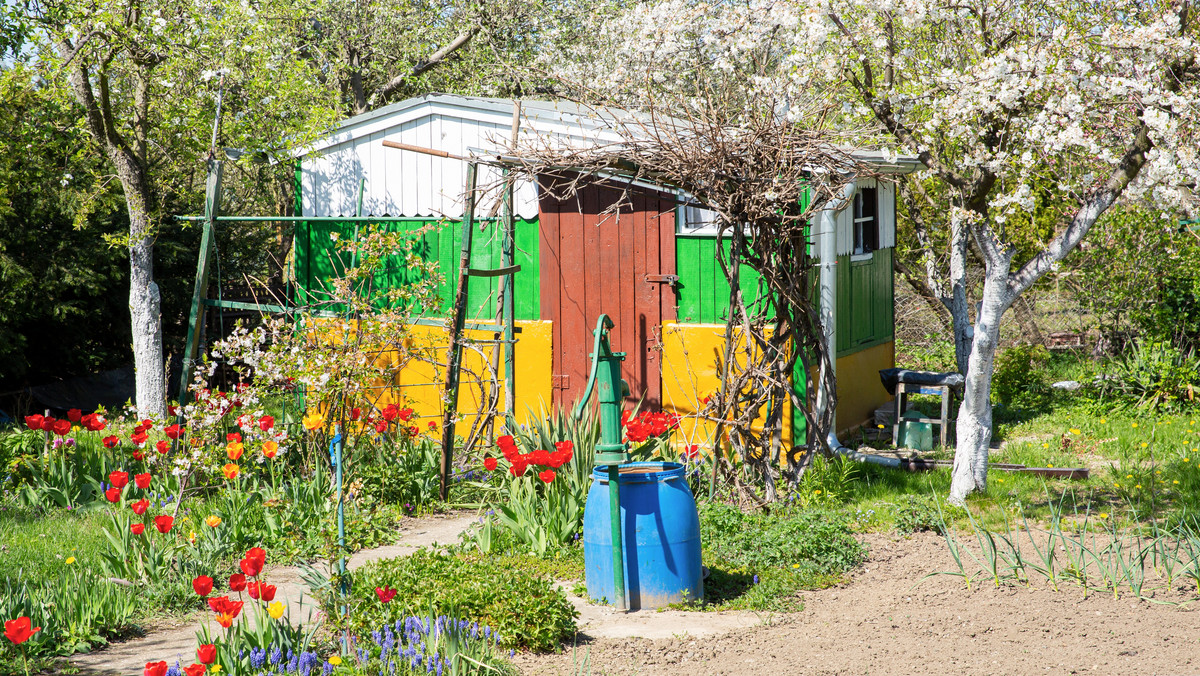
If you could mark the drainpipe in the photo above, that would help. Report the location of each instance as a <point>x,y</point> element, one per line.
<point>827,250</point>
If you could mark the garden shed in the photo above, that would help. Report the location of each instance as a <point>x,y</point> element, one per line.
<point>651,265</point>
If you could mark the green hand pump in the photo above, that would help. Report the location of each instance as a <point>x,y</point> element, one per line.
<point>611,451</point>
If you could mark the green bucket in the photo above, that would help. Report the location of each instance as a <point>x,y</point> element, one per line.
<point>913,434</point>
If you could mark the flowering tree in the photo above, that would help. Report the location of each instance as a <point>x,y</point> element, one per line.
<point>142,75</point>
<point>1096,102</point>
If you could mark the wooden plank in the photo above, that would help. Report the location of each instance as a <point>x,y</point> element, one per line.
<point>667,251</point>
<point>495,272</point>
<point>528,283</point>
<point>549,278</point>
<point>652,314</point>
<point>582,277</point>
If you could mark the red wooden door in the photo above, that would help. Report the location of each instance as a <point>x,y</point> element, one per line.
<point>594,263</point>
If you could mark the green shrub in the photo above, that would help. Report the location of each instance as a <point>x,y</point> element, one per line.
<point>1019,378</point>
<point>915,514</point>
<point>816,541</point>
<point>1152,375</point>
<point>527,610</point>
<point>408,476</point>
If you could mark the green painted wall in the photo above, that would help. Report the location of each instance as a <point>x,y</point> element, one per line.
<point>317,260</point>
<point>703,291</point>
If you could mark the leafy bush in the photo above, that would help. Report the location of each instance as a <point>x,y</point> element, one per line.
<point>1019,378</point>
<point>915,514</point>
<point>409,476</point>
<point>828,481</point>
<point>1152,375</point>
<point>527,610</point>
<point>759,561</point>
<point>816,540</point>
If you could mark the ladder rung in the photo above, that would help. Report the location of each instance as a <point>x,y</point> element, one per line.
<point>498,272</point>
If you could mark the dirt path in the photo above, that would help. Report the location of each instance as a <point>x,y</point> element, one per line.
<point>178,642</point>
<point>880,624</point>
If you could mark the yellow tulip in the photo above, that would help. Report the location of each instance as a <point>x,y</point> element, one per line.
<point>213,521</point>
<point>275,610</point>
<point>313,421</point>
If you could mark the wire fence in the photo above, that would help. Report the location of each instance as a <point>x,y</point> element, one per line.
<point>1049,314</point>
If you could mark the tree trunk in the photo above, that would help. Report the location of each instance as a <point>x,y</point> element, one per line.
<point>960,308</point>
<point>145,301</point>
<point>974,434</point>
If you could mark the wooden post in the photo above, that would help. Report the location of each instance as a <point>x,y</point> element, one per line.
<point>454,347</point>
<point>212,203</point>
<point>507,288</point>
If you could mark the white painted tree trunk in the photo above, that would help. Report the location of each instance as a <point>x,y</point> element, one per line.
<point>145,313</point>
<point>974,433</point>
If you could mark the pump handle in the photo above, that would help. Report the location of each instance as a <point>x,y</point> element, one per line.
<point>603,324</point>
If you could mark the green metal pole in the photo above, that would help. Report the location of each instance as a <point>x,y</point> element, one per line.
<point>212,203</point>
<point>338,445</point>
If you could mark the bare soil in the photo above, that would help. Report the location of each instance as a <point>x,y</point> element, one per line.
<point>888,620</point>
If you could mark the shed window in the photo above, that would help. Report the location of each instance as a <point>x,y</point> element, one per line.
<point>866,220</point>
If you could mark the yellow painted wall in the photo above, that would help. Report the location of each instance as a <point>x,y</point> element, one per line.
<point>419,382</point>
<point>691,354</point>
<point>860,391</point>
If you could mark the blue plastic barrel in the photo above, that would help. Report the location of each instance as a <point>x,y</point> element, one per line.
<point>661,536</point>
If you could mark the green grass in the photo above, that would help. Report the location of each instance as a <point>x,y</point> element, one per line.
<point>36,543</point>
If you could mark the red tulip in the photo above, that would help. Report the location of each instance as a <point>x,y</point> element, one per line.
<point>155,669</point>
<point>547,475</point>
<point>405,414</point>
<point>265,423</point>
<point>137,528</point>
<point>163,446</point>
<point>138,438</point>
<point>138,455</point>
<point>74,415</point>
<point>62,427</point>
<point>237,582</point>
<point>251,567</point>
<point>233,436</point>
<point>207,653</point>
<point>173,431</point>
<point>203,585</point>
<point>355,413</point>
<point>140,506</point>
<point>261,590</point>
<point>34,422</point>
<point>93,422</point>
<point>118,479</point>
<point>490,464</point>
<point>113,494</point>
<point>385,594</point>
<point>142,481</point>
<point>48,424</point>
<point>19,630</point>
<point>390,412</point>
<point>163,523</point>
<point>195,670</point>
<point>223,605</point>
<point>517,469</point>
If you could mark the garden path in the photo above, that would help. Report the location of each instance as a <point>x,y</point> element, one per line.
<point>178,641</point>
